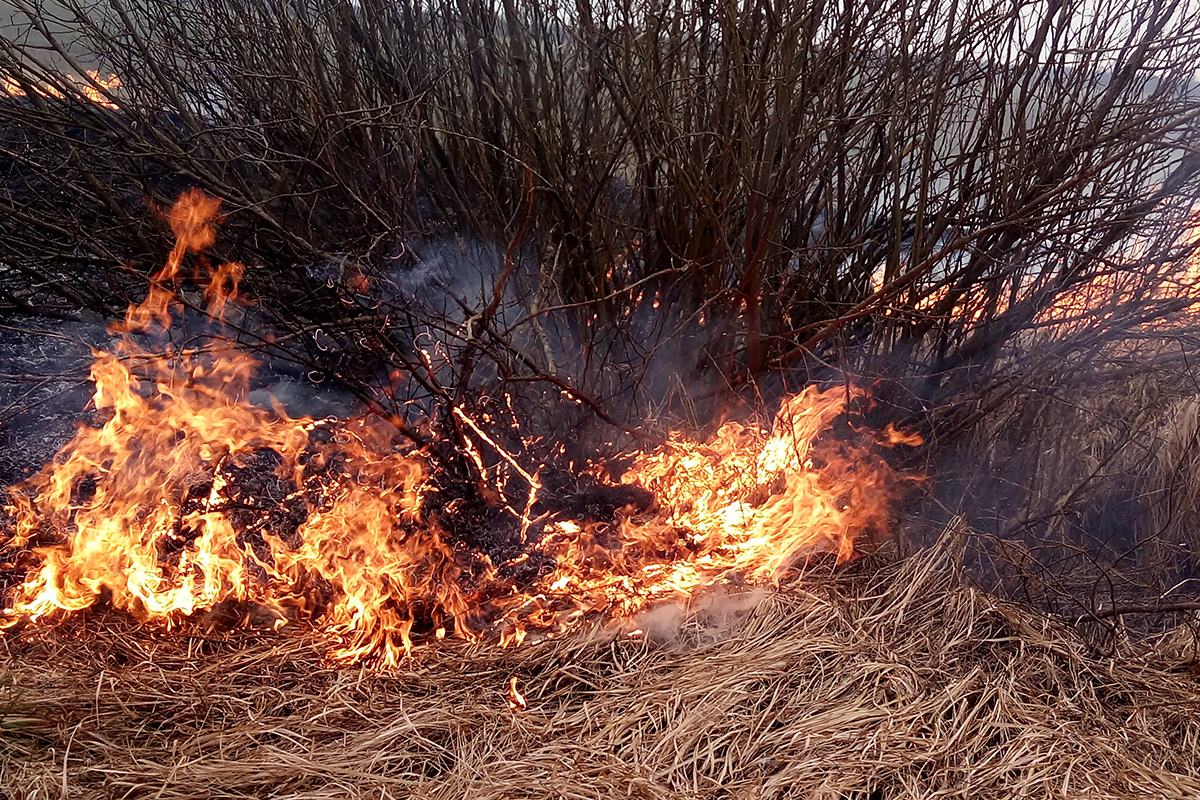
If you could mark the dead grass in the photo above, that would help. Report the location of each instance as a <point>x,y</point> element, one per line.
<point>892,683</point>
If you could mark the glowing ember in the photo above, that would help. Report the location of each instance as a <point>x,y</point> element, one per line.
<point>186,498</point>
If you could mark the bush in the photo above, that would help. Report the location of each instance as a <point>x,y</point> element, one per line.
<point>644,210</point>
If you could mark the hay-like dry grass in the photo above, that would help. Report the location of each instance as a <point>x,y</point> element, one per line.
<point>894,684</point>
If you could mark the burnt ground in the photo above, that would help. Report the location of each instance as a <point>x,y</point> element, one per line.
<point>44,388</point>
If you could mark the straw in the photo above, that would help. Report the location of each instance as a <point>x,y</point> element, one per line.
<point>890,681</point>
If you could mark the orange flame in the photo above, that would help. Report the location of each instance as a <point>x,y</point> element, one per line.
<point>97,89</point>
<point>747,504</point>
<point>1095,299</point>
<point>94,88</point>
<point>516,700</point>
<point>187,498</point>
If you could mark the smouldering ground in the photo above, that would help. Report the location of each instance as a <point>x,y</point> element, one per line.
<point>894,684</point>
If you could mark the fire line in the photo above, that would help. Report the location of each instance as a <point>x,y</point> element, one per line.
<point>186,500</point>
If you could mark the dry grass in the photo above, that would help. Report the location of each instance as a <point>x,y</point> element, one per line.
<point>895,682</point>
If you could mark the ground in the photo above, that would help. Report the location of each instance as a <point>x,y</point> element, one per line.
<point>884,681</point>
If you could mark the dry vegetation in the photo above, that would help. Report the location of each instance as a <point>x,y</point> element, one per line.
<point>894,682</point>
<point>632,216</point>
<point>643,215</point>
<point>923,180</point>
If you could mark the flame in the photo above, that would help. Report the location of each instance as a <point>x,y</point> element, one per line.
<point>747,505</point>
<point>94,88</point>
<point>98,89</point>
<point>1099,297</point>
<point>1091,301</point>
<point>516,700</point>
<point>187,498</point>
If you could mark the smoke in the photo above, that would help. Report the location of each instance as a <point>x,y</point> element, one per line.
<point>1071,470</point>
<point>644,353</point>
<point>44,388</point>
<point>705,619</point>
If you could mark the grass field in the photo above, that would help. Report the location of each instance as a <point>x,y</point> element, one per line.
<point>893,682</point>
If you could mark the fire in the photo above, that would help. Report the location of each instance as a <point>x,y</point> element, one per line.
<point>746,505</point>
<point>186,498</point>
<point>94,88</point>
<point>98,89</point>
<point>516,700</point>
<point>1127,281</point>
<point>1099,297</point>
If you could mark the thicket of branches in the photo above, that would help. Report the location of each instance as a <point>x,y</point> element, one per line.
<point>647,208</point>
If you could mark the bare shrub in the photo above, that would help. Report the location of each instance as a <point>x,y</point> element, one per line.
<point>641,212</point>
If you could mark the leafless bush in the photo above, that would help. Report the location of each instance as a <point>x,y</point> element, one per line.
<point>809,167</point>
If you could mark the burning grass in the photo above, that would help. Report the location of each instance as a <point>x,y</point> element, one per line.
<point>188,498</point>
<point>882,681</point>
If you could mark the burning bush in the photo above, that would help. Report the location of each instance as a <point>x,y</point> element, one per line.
<point>530,244</point>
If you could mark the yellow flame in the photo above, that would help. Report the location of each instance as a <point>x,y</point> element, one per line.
<point>146,510</point>
<point>516,700</point>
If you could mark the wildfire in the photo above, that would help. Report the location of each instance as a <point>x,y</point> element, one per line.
<point>1102,295</point>
<point>1092,300</point>
<point>186,498</point>
<point>94,88</point>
